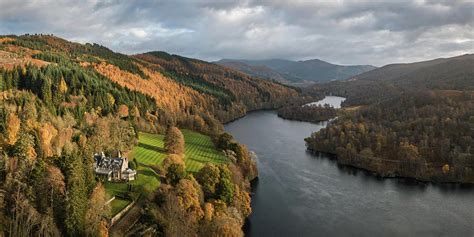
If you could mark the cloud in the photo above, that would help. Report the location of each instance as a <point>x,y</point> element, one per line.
<point>345,32</point>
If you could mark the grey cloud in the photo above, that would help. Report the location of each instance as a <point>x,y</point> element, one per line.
<point>346,32</point>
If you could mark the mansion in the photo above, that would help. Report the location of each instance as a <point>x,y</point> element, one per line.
<point>113,169</point>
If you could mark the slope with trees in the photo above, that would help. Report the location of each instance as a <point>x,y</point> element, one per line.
<point>60,102</point>
<point>417,121</point>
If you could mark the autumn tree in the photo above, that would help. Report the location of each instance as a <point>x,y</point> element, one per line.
<point>24,148</point>
<point>216,182</point>
<point>52,187</point>
<point>181,211</point>
<point>224,141</point>
<point>175,173</point>
<point>174,141</point>
<point>12,128</point>
<point>208,176</point>
<point>46,133</point>
<point>173,159</point>
<point>122,111</point>
<point>97,211</point>
<point>220,222</point>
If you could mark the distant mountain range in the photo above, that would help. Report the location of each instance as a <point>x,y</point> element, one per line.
<point>287,71</point>
<point>441,73</point>
<point>455,74</point>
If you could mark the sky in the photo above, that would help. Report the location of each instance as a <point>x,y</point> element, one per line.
<point>337,31</point>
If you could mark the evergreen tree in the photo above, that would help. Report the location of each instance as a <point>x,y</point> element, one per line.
<point>76,197</point>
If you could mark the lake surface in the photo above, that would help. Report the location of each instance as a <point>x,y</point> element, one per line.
<point>334,101</point>
<point>300,194</point>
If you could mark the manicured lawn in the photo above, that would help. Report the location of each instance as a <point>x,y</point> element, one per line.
<point>199,150</point>
<point>149,151</point>
<point>147,181</point>
<point>118,204</point>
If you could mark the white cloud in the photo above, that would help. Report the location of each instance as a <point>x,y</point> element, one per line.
<point>346,32</point>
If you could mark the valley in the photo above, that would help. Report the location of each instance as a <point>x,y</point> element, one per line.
<point>206,153</point>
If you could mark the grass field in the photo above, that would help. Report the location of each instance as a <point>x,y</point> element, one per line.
<point>118,204</point>
<point>199,150</point>
<point>150,150</point>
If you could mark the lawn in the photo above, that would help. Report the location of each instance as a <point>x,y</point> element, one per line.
<point>118,204</point>
<point>199,150</point>
<point>150,150</point>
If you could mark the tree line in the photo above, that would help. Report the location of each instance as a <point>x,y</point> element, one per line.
<point>308,113</point>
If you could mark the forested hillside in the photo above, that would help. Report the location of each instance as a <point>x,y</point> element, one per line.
<point>60,102</point>
<point>383,83</point>
<point>232,88</point>
<point>417,120</point>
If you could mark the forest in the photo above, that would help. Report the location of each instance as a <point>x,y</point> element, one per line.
<point>60,102</point>
<point>411,122</point>
<point>308,113</point>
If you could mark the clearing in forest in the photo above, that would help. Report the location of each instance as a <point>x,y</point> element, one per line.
<point>199,150</point>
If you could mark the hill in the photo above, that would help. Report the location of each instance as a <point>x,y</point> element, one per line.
<point>288,71</point>
<point>417,121</point>
<point>181,87</point>
<point>61,102</point>
<point>455,73</point>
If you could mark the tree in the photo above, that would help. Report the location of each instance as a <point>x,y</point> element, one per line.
<point>173,159</point>
<point>76,197</point>
<point>25,148</point>
<point>46,133</point>
<point>445,169</point>
<point>12,128</point>
<point>175,173</point>
<point>97,211</point>
<point>181,210</point>
<point>225,188</point>
<point>224,141</point>
<point>242,202</point>
<point>208,176</point>
<point>52,188</point>
<point>122,111</point>
<point>62,86</point>
<point>222,224</point>
<point>174,141</point>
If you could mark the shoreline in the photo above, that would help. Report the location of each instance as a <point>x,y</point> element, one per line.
<point>376,174</point>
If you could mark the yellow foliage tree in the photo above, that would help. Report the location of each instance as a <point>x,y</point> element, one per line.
<point>446,169</point>
<point>62,86</point>
<point>12,129</point>
<point>46,134</point>
<point>97,211</point>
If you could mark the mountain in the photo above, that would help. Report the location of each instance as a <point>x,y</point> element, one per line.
<point>455,73</point>
<point>288,71</point>
<point>443,73</point>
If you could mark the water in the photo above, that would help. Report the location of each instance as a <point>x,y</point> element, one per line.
<point>299,194</point>
<point>334,101</point>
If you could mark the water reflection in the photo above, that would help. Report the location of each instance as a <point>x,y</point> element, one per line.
<point>301,194</point>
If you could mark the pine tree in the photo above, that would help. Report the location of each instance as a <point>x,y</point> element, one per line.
<point>76,197</point>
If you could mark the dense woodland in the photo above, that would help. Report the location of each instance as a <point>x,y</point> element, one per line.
<point>228,86</point>
<point>419,124</point>
<point>60,102</point>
